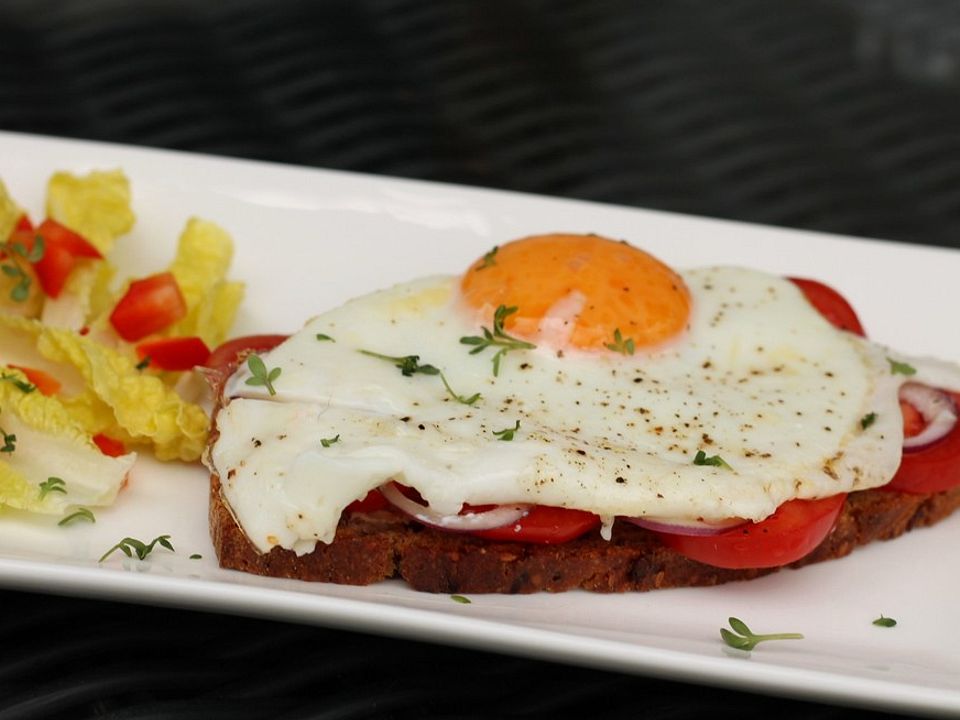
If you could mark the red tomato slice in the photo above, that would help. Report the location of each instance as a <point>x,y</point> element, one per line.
<point>932,468</point>
<point>831,304</point>
<point>109,446</point>
<point>373,501</point>
<point>226,354</point>
<point>149,305</point>
<point>545,525</point>
<point>793,531</point>
<point>180,353</point>
<point>46,383</point>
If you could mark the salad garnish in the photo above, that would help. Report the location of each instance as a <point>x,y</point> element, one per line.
<point>131,546</point>
<point>79,514</point>
<point>714,460</point>
<point>497,338</point>
<point>52,484</point>
<point>743,638</point>
<point>625,347</point>
<point>507,433</point>
<point>261,376</point>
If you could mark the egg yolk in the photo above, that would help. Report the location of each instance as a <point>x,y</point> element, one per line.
<point>591,286</point>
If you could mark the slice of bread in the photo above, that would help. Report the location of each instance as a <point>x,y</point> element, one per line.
<point>378,546</point>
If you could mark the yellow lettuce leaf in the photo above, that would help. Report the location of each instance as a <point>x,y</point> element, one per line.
<point>96,205</point>
<point>10,212</point>
<point>204,253</point>
<point>118,399</point>
<point>49,443</point>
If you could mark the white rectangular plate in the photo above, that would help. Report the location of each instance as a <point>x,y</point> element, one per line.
<point>309,239</point>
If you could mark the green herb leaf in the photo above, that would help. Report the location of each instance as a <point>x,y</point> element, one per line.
<point>714,460</point>
<point>260,374</point>
<point>131,546</point>
<point>464,399</point>
<point>196,556</point>
<point>17,253</point>
<point>885,621</point>
<point>144,364</point>
<point>489,259</point>
<point>743,638</point>
<point>901,368</point>
<point>868,420</point>
<point>324,338</point>
<point>9,442</point>
<point>327,442</point>
<point>460,599</point>
<point>507,433</point>
<point>497,338</point>
<point>52,484</point>
<point>80,514</point>
<point>21,385</point>
<point>408,364</point>
<point>625,347</point>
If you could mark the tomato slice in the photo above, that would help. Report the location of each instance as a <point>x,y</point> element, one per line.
<point>792,532</point>
<point>178,353</point>
<point>831,304</point>
<point>373,501</point>
<point>149,305</point>
<point>544,525</point>
<point>226,354</point>
<point>109,446</point>
<point>932,468</point>
<point>46,383</point>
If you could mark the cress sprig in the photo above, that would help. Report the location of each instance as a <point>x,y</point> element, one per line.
<point>261,376</point>
<point>409,365</point>
<point>715,460</point>
<point>9,441</point>
<point>624,347</point>
<point>21,385</point>
<point>131,546</point>
<point>52,484</point>
<point>497,338</point>
<point>507,433</point>
<point>80,513</point>
<point>16,253</point>
<point>743,638</point>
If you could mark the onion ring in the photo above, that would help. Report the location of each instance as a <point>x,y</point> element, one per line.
<point>699,529</point>
<point>500,516</point>
<point>938,410</point>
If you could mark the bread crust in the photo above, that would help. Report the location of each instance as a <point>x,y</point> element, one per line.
<point>370,547</point>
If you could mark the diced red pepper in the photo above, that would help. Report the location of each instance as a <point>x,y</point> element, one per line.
<point>62,248</point>
<point>178,353</point>
<point>109,446</point>
<point>46,383</point>
<point>149,306</point>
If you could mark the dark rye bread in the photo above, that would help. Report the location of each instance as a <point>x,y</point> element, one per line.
<point>382,545</point>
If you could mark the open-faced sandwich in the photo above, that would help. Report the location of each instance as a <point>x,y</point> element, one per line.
<point>572,413</point>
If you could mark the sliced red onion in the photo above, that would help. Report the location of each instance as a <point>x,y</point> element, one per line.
<point>488,520</point>
<point>937,409</point>
<point>700,529</point>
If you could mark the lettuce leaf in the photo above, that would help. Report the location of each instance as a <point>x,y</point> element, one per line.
<point>118,399</point>
<point>204,254</point>
<point>10,212</point>
<point>96,205</point>
<point>50,443</point>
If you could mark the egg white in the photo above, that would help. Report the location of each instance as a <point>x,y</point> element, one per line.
<point>758,379</point>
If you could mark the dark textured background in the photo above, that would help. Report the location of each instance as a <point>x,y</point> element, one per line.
<point>838,115</point>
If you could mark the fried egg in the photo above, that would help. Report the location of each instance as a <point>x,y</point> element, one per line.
<point>630,389</point>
